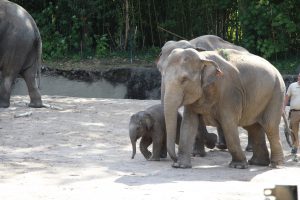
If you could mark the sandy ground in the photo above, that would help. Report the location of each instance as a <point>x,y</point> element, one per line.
<point>80,149</point>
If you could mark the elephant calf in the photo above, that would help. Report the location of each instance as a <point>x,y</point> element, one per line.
<point>149,125</point>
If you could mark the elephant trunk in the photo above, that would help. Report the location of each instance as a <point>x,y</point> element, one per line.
<point>172,101</point>
<point>133,143</point>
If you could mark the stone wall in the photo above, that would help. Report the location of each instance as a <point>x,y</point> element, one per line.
<point>141,82</point>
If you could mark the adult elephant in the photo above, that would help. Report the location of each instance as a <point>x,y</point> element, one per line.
<point>213,42</point>
<point>20,52</point>
<point>201,43</point>
<point>241,89</point>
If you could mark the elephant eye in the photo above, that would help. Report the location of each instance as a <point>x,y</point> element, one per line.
<point>183,79</point>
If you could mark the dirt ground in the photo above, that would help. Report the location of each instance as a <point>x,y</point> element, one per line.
<point>78,148</point>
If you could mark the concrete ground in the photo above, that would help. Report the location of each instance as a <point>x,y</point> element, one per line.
<point>78,148</point>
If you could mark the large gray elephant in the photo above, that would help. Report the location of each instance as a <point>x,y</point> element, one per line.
<point>229,88</point>
<point>20,52</point>
<point>201,43</point>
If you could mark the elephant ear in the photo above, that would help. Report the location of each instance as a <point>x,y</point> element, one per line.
<point>210,71</point>
<point>149,121</point>
<point>199,49</point>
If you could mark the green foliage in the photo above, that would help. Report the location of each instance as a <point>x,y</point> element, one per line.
<point>270,28</point>
<point>288,66</point>
<point>97,28</point>
<point>102,46</point>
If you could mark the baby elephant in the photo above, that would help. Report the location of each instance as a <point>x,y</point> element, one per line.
<point>149,125</point>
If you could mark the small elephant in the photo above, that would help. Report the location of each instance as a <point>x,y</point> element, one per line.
<point>149,125</point>
<point>20,52</point>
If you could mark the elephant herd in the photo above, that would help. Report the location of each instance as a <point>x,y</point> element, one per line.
<point>217,83</point>
<point>222,85</point>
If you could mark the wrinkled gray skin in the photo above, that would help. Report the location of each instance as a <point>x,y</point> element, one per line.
<point>149,125</point>
<point>241,89</point>
<point>202,43</point>
<point>20,52</point>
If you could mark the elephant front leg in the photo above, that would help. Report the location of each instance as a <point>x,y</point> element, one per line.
<point>198,148</point>
<point>157,144</point>
<point>234,147</point>
<point>144,144</point>
<point>188,132</point>
<point>5,90</point>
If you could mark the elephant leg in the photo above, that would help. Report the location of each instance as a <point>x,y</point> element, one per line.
<point>210,140</point>
<point>233,143</point>
<point>221,144</point>
<point>157,143</point>
<point>5,90</point>
<point>275,146</point>
<point>198,148</point>
<point>29,76</point>
<point>249,146</point>
<point>163,151</point>
<point>188,131</point>
<point>144,144</point>
<point>256,135</point>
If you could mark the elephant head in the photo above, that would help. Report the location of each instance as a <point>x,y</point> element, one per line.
<point>165,52</point>
<point>139,126</point>
<point>186,74</point>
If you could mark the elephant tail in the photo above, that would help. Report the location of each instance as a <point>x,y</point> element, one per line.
<point>38,62</point>
<point>287,131</point>
<point>37,48</point>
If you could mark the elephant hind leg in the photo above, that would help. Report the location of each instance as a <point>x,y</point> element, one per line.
<point>29,76</point>
<point>277,158</point>
<point>256,135</point>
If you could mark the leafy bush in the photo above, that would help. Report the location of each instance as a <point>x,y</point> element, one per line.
<point>102,46</point>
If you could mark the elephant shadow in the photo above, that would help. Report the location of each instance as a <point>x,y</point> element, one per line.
<point>210,168</point>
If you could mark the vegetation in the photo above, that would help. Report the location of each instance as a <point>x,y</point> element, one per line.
<point>100,28</point>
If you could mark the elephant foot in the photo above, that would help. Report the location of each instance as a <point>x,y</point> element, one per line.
<point>221,146</point>
<point>211,140</point>
<point>4,104</point>
<point>147,155</point>
<point>153,159</point>
<point>277,164</point>
<point>38,104</point>
<point>239,165</point>
<point>182,166</point>
<point>163,154</point>
<point>259,162</point>
<point>199,153</point>
<point>249,148</point>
